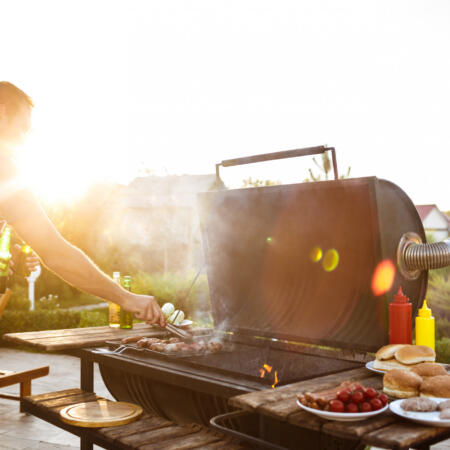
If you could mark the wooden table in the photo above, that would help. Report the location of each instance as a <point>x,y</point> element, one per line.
<point>76,338</point>
<point>385,430</point>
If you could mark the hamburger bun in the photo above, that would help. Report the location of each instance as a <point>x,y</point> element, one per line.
<point>388,351</point>
<point>401,383</point>
<point>426,370</point>
<point>414,354</point>
<point>436,387</point>
<point>389,365</point>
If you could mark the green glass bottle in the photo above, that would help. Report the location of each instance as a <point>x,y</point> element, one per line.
<point>114,309</point>
<point>126,317</point>
<point>5,257</point>
<point>22,268</point>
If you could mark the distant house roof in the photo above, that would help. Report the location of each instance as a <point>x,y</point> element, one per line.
<point>424,210</point>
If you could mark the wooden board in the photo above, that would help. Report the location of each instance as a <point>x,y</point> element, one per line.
<point>385,430</point>
<point>148,432</point>
<point>74,338</point>
<point>100,413</point>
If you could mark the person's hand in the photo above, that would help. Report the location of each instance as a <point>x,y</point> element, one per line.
<point>145,307</point>
<point>31,261</point>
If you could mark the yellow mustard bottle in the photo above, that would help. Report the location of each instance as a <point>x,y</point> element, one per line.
<point>425,329</point>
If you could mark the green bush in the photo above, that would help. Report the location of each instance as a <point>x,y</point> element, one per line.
<point>19,299</point>
<point>443,350</point>
<point>94,318</point>
<point>173,288</point>
<point>442,328</point>
<point>20,321</point>
<point>438,293</point>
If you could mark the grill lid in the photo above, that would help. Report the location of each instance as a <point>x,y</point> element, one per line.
<point>297,261</point>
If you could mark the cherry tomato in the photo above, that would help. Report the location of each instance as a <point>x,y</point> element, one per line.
<point>358,387</point>
<point>343,396</point>
<point>336,406</point>
<point>358,397</point>
<point>384,399</point>
<point>370,393</point>
<point>376,404</point>
<point>351,408</point>
<point>366,407</point>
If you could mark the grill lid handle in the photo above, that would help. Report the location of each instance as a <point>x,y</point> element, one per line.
<point>413,256</point>
<point>308,151</point>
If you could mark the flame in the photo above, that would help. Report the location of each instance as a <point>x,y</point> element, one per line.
<point>383,277</point>
<point>266,368</point>
<point>276,380</point>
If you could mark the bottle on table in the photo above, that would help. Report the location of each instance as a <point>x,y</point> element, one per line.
<point>425,327</point>
<point>126,317</point>
<point>400,319</point>
<point>5,257</point>
<point>22,268</point>
<point>114,309</point>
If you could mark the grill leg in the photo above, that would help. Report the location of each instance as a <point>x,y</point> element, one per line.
<point>87,375</point>
<point>86,444</point>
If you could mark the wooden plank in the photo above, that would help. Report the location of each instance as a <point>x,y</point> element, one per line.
<point>26,375</point>
<point>153,436</point>
<point>225,445</point>
<point>147,423</point>
<point>254,400</point>
<point>304,419</point>
<point>349,430</point>
<point>404,435</point>
<point>57,394</point>
<point>68,400</point>
<point>196,440</point>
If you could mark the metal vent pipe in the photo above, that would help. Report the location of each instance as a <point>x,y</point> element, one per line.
<point>413,256</point>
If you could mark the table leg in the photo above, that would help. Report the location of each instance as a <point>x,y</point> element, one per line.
<point>87,375</point>
<point>25,389</point>
<point>86,444</point>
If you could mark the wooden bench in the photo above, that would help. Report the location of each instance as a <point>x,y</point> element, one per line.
<point>149,432</point>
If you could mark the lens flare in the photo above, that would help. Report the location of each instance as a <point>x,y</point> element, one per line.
<point>383,277</point>
<point>269,240</point>
<point>330,260</point>
<point>316,254</point>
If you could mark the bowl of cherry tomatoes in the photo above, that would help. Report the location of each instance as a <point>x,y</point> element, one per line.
<point>346,405</point>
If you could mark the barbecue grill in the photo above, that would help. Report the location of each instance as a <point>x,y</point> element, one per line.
<point>300,278</point>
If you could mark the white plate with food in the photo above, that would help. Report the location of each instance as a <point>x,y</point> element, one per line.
<point>435,418</point>
<point>370,366</point>
<point>345,416</point>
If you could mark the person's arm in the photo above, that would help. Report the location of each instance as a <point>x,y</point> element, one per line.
<point>23,212</point>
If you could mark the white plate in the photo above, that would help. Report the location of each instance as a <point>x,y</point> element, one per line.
<point>426,418</point>
<point>370,367</point>
<point>342,417</point>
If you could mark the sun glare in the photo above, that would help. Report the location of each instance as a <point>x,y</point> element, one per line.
<point>54,176</point>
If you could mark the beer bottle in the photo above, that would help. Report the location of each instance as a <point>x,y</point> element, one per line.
<point>22,268</point>
<point>126,317</point>
<point>114,310</point>
<point>5,256</point>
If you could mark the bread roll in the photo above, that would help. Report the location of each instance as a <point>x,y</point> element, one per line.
<point>401,383</point>
<point>428,369</point>
<point>389,365</point>
<point>388,351</point>
<point>414,354</point>
<point>436,387</point>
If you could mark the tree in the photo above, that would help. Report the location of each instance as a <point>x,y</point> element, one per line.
<point>249,182</point>
<point>324,167</point>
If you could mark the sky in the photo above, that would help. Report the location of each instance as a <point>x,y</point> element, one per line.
<point>175,86</point>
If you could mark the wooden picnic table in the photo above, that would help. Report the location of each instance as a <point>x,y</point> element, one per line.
<point>77,338</point>
<point>385,430</point>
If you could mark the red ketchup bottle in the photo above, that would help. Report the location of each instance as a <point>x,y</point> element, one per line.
<point>400,319</point>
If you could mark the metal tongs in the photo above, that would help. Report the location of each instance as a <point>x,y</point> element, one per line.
<point>179,333</point>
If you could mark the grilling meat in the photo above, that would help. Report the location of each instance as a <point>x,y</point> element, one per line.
<point>175,346</point>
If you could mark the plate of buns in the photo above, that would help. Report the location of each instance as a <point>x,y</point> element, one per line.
<point>425,410</point>
<point>405,357</point>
